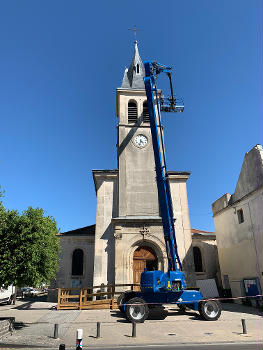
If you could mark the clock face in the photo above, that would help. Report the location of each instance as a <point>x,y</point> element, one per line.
<point>140,140</point>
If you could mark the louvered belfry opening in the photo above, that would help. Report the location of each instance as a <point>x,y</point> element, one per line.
<point>132,112</point>
<point>145,113</point>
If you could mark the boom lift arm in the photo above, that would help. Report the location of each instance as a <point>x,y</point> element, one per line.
<point>152,69</point>
<point>158,287</point>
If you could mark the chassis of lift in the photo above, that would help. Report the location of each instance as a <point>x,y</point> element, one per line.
<point>136,305</point>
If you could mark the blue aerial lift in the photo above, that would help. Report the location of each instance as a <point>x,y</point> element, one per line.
<point>157,287</point>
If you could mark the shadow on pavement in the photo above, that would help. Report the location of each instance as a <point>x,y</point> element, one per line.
<point>19,325</point>
<point>188,312</point>
<point>196,317</point>
<point>120,315</point>
<point>29,305</point>
<point>24,306</point>
<point>158,313</point>
<point>241,308</point>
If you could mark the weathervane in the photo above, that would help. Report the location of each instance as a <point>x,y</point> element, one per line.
<point>135,30</point>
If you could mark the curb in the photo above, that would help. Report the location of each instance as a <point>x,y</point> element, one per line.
<point>139,345</point>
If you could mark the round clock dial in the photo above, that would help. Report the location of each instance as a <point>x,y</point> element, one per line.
<point>140,140</point>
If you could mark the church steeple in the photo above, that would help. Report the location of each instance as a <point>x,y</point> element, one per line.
<point>133,77</point>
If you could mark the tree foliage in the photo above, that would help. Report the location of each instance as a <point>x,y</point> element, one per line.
<point>28,247</point>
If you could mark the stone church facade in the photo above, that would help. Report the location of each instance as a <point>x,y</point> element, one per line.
<point>128,235</point>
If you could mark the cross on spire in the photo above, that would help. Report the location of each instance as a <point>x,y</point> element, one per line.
<point>135,30</point>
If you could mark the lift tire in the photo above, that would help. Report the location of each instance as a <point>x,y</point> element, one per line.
<point>137,310</point>
<point>210,310</point>
<point>120,301</point>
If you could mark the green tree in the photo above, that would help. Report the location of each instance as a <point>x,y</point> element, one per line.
<point>28,247</point>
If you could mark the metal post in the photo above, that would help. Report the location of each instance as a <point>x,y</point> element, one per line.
<point>133,329</point>
<point>55,331</point>
<point>244,326</point>
<point>62,347</point>
<point>98,330</point>
<point>79,339</point>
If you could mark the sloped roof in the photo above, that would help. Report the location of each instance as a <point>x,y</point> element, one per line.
<point>83,231</point>
<point>195,231</point>
<point>251,174</point>
<point>250,179</point>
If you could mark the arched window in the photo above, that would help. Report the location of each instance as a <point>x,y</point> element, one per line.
<point>145,113</point>
<point>77,262</point>
<point>132,112</point>
<point>198,260</point>
<point>138,69</point>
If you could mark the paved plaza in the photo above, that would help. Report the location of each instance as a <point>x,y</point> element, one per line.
<point>34,323</point>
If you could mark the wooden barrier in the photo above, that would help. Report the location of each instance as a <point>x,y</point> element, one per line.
<point>86,299</point>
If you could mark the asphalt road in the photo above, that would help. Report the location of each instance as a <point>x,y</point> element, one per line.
<point>224,346</point>
<point>187,347</point>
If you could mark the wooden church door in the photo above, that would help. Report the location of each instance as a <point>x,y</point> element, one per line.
<point>143,257</point>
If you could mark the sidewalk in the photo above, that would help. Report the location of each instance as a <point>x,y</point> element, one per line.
<point>35,326</point>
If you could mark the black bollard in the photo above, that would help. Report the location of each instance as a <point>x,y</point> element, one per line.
<point>55,331</point>
<point>244,326</point>
<point>133,329</point>
<point>62,347</point>
<point>98,330</point>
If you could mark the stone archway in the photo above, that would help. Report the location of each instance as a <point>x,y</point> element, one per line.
<point>143,257</point>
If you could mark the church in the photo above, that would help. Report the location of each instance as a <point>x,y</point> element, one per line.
<point>128,234</point>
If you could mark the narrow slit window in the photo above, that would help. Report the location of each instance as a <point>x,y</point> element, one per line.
<point>240,216</point>
<point>198,260</point>
<point>138,69</point>
<point>132,112</point>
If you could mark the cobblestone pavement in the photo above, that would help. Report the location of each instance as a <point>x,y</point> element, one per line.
<point>41,332</point>
<point>60,317</point>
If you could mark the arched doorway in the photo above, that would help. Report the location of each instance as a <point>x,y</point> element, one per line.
<point>143,257</point>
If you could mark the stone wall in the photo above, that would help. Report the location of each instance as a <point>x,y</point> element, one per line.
<point>208,247</point>
<point>68,245</point>
<point>239,226</point>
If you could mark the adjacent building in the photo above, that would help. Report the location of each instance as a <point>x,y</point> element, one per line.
<point>239,230</point>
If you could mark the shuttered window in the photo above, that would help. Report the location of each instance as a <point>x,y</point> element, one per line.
<point>132,112</point>
<point>145,113</point>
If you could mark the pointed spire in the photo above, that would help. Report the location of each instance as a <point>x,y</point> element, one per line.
<point>133,77</point>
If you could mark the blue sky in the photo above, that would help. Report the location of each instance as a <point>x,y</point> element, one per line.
<point>60,65</point>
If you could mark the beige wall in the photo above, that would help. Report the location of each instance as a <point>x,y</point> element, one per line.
<point>182,225</point>
<point>208,248</point>
<point>68,245</point>
<point>240,246</point>
<point>106,188</point>
<point>129,235</point>
<point>137,184</point>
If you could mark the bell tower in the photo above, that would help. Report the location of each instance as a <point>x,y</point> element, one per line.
<point>129,233</point>
<point>137,183</point>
